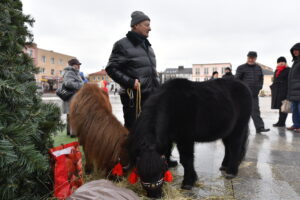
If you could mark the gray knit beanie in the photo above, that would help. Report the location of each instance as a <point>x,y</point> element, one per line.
<point>137,17</point>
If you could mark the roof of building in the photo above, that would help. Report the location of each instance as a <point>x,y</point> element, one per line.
<point>102,72</point>
<point>179,70</point>
<point>228,63</point>
<point>266,70</point>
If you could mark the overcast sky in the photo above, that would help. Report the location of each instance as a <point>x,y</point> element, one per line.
<point>184,32</point>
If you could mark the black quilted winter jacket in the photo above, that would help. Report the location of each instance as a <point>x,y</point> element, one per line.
<point>252,75</point>
<point>294,77</point>
<point>133,58</point>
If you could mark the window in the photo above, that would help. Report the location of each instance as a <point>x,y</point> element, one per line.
<point>98,78</point>
<point>61,62</point>
<point>52,60</point>
<point>205,70</point>
<point>223,70</point>
<point>43,59</point>
<point>42,70</point>
<point>197,70</point>
<point>52,71</point>
<point>30,52</point>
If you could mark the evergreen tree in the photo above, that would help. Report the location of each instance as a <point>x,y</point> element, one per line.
<point>26,124</point>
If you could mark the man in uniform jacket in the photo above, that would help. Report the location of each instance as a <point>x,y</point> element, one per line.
<point>132,62</point>
<point>251,74</point>
<point>279,89</point>
<point>294,87</point>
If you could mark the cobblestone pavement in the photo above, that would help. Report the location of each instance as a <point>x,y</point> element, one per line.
<point>271,169</point>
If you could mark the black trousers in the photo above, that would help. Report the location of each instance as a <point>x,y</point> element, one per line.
<point>68,125</point>
<point>258,122</point>
<point>129,108</point>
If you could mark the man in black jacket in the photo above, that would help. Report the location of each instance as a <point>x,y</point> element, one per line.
<point>228,74</point>
<point>132,63</point>
<point>251,74</point>
<point>294,87</point>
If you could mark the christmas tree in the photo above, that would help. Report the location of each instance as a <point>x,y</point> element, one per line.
<point>26,124</point>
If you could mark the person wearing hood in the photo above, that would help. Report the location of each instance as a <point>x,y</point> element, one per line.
<point>279,89</point>
<point>251,74</point>
<point>72,81</point>
<point>228,74</point>
<point>294,87</point>
<point>132,64</point>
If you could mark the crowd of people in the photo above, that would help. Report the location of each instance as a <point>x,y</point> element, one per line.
<point>285,86</point>
<point>132,64</point>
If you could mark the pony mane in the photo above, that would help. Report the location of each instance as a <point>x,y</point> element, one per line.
<point>102,136</point>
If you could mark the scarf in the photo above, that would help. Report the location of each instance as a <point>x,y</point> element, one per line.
<point>279,69</point>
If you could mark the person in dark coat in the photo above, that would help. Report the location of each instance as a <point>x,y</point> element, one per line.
<point>294,87</point>
<point>251,74</point>
<point>133,63</point>
<point>215,75</point>
<point>228,74</point>
<point>279,89</point>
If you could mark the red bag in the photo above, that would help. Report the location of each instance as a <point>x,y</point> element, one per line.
<point>67,168</point>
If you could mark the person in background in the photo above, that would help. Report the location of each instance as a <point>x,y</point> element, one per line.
<point>228,74</point>
<point>279,89</point>
<point>215,75</point>
<point>294,88</point>
<point>251,74</point>
<point>72,81</point>
<point>83,77</point>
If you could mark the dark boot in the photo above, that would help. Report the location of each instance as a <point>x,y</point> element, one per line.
<point>282,119</point>
<point>172,163</point>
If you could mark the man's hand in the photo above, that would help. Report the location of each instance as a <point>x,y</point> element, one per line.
<point>136,84</point>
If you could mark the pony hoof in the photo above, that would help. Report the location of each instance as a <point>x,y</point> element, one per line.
<point>228,176</point>
<point>172,163</point>
<point>187,187</point>
<point>222,168</point>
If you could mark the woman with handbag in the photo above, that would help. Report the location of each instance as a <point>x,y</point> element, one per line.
<point>279,89</point>
<point>72,83</point>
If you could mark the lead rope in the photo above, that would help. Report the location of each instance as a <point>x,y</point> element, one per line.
<point>138,102</point>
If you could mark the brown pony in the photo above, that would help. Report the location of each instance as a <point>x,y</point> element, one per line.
<point>99,132</point>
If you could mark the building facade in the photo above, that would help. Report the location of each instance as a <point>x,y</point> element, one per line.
<point>172,73</point>
<point>99,77</point>
<point>51,65</point>
<point>268,79</point>
<point>203,72</point>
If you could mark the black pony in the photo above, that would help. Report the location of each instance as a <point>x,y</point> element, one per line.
<point>184,112</point>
